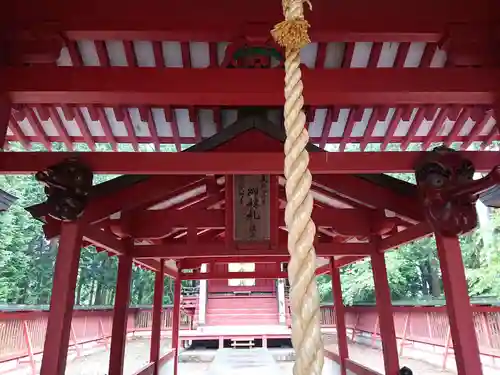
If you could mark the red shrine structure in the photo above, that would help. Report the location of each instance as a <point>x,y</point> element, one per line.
<point>205,80</point>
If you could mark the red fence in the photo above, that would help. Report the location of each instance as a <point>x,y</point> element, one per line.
<point>22,334</point>
<point>425,325</point>
<point>143,319</point>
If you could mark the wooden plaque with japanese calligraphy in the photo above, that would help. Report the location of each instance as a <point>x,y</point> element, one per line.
<point>251,208</point>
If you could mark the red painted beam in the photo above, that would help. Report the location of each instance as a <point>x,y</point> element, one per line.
<point>137,195</point>
<point>321,270</point>
<point>372,195</point>
<point>247,87</point>
<point>153,265</point>
<point>103,240</point>
<point>113,245</point>
<point>410,234</point>
<point>235,275</point>
<point>157,223</point>
<point>344,261</point>
<point>218,249</point>
<point>218,163</point>
<point>197,262</point>
<point>424,20</point>
<point>107,241</point>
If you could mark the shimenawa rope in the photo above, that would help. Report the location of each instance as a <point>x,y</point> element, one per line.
<point>292,34</point>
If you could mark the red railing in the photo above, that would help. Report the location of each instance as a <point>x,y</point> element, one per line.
<point>353,367</point>
<point>425,325</point>
<point>162,363</point>
<point>22,333</point>
<point>143,319</point>
<point>356,368</point>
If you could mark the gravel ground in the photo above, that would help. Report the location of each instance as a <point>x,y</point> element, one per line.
<point>421,361</point>
<point>95,360</point>
<point>136,356</point>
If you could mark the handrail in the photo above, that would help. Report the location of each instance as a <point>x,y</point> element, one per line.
<point>166,357</point>
<point>150,367</point>
<point>352,366</point>
<point>358,369</point>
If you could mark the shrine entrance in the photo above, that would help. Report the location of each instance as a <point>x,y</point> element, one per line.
<point>241,267</point>
<point>228,233</point>
<point>228,167</point>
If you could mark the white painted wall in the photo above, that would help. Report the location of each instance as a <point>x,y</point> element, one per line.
<point>281,301</point>
<point>202,298</point>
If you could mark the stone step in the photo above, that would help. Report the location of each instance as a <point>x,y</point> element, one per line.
<point>244,362</point>
<point>208,355</point>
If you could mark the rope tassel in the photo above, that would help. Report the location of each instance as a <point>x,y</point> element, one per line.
<point>292,34</point>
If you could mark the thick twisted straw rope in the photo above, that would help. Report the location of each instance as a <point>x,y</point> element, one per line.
<point>306,335</point>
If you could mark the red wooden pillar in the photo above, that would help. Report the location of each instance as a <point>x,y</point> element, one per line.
<point>339,316</point>
<point>458,306</point>
<point>176,320</point>
<point>120,315</point>
<point>4,120</point>
<point>154,355</point>
<point>62,300</point>
<point>384,309</point>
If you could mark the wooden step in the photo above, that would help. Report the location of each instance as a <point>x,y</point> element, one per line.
<point>247,343</point>
<point>252,310</point>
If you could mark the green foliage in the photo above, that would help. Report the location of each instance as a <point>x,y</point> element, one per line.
<point>484,267</point>
<point>414,274</point>
<point>27,259</point>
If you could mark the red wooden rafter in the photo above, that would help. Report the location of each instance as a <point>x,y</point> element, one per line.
<point>61,129</point>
